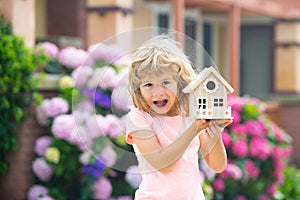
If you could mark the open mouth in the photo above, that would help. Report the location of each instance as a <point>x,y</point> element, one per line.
<point>160,103</point>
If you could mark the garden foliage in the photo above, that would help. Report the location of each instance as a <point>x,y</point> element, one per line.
<point>17,65</point>
<point>258,152</point>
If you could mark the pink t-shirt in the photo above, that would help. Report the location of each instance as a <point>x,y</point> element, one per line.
<point>183,181</point>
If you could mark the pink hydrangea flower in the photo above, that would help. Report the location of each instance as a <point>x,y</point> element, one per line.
<point>232,171</point>
<point>218,184</point>
<point>239,129</point>
<point>259,147</point>
<point>109,155</point>
<point>133,177</point>
<point>121,98</point>
<point>122,78</point>
<point>106,78</point>
<point>57,106</point>
<point>240,197</point>
<point>236,103</point>
<point>78,136</point>
<point>72,57</point>
<point>42,169</point>
<point>251,170</point>
<point>272,189</point>
<point>263,197</point>
<point>41,144</point>
<point>255,127</point>
<point>85,157</point>
<point>35,192</point>
<point>226,138</point>
<point>236,117</point>
<point>41,116</point>
<point>81,75</point>
<point>124,198</point>
<point>63,125</point>
<point>49,49</point>
<point>96,126</point>
<point>208,172</point>
<point>102,188</point>
<point>108,52</point>
<point>116,125</point>
<point>279,134</point>
<point>240,148</point>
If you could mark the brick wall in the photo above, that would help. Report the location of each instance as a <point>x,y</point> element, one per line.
<point>287,116</point>
<point>15,183</point>
<point>290,121</point>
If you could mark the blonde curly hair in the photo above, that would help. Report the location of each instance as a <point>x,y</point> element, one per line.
<point>158,55</point>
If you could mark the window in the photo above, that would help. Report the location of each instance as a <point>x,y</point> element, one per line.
<point>163,22</point>
<point>202,103</point>
<point>218,102</point>
<point>210,85</point>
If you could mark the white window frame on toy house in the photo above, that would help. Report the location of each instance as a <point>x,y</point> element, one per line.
<point>201,104</point>
<point>217,101</point>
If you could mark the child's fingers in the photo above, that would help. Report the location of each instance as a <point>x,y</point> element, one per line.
<point>228,122</point>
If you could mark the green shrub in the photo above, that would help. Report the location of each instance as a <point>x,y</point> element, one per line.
<point>17,64</point>
<point>290,188</point>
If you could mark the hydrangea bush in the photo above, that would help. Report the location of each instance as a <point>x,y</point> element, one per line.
<point>86,123</point>
<point>258,152</point>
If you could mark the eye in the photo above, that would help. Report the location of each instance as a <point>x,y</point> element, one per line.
<point>147,85</point>
<point>164,83</point>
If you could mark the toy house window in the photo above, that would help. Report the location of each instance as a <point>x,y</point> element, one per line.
<point>202,103</point>
<point>210,85</point>
<point>218,102</point>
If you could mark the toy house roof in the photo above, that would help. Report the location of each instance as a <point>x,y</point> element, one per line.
<point>202,76</point>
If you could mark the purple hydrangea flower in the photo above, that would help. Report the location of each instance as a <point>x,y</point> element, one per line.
<point>36,192</point>
<point>62,126</point>
<point>42,169</point>
<point>81,75</point>
<point>73,57</point>
<point>58,106</point>
<point>102,188</point>
<point>133,177</point>
<point>94,169</point>
<point>102,99</point>
<point>41,144</point>
<point>49,49</point>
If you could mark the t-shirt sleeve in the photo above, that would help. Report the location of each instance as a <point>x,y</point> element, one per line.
<point>137,120</point>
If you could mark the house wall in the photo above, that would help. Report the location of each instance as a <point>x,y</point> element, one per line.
<point>40,19</point>
<point>287,56</point>
<point>110,24</point>
<point>21,14</point>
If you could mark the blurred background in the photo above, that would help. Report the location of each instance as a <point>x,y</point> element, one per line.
<point>254,44</point>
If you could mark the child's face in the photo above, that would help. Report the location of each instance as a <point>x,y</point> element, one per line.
<point>159,90</point>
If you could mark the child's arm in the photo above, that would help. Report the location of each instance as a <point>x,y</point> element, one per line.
<point>163,158</point>
<point>212,147</point>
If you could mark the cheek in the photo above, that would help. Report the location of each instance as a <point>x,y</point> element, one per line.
<point>173,91</point>
<point>145,94</point>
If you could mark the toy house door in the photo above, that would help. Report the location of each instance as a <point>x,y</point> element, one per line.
<point>218,107</point>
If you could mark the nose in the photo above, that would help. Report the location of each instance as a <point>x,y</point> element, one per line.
<point>158,90</point>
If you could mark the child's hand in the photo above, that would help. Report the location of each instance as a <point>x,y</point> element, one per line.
<point>202,124</point>
<point>216,127</point>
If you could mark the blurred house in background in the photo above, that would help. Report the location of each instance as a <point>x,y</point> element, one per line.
<point>254,43</point>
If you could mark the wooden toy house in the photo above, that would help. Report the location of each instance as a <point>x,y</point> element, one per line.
<point>208,95</point>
